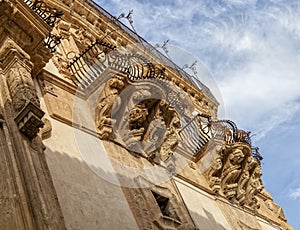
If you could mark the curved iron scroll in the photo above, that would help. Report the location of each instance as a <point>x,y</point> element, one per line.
<point>48,14</point>
<point>93,61</point>
<point>256,155</point>
<point>86,67</point>
<point>52,41</point>
<point>198,132</point>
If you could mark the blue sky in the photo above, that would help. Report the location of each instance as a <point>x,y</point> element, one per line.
<point>252,49</point>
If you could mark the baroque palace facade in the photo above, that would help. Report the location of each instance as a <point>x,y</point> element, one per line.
<point>99,130</point>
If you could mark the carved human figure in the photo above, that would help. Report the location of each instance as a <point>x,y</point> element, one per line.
<point>244,178</point>
<point>105,104</point>
<point>61,64</point>
<point>132,137</point>
<point>133,128</point>
<point>171,139</point>
<point>214,174</point>
<point>157,130</point>
<point>228,135</point>
<point>137,116</point>
<point>231,172</point>
<point>253,187</point>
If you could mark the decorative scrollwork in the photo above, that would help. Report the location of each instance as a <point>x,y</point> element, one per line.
<point>198,132</point>
<point>256,155</point>
<point>191,67</point>
<point>236,174</point>
<point>86,67</point>
<point>48,14</point>
<point>89,65</point>
<point>52,41</point>
<point>128,17</point>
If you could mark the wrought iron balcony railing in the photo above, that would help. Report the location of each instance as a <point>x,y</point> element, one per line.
<point>150,48</point>
<point>194,135</point>
<point>51,42</point>
<point>198,132</point>
<point>89,65</point>
<point>99,56</point>
<point>48,14</point>
<point>93,61</point>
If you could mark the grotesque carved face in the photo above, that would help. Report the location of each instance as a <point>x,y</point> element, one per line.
<point>218,163</point>
<point>236,156</point>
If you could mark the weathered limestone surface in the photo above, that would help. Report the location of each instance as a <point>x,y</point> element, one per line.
<point>87,200</point>
<point>27,191</point>
<point>99,136</point>
<point>202,207</point>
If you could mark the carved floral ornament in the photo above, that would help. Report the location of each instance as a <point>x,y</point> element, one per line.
<point>236,175</point>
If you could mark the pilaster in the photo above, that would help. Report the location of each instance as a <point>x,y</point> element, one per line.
<point>22,56</point>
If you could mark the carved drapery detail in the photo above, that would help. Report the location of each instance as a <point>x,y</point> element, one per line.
<point>171,140</point>
<point>231,171</point>
<point>214,174</point>
<point>236,175</point>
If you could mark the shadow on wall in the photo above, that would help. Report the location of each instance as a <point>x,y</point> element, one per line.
<point>90,202</point>
<point>208,223</point>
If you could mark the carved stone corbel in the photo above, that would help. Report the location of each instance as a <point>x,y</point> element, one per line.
<point>236,175</point>
<point>104,106</point>
<point>29,120</point>
<point>231,172</point>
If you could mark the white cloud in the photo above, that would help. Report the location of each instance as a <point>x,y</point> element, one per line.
<point>253,50</point>
<point>251,47</point>
<point>295,194</point>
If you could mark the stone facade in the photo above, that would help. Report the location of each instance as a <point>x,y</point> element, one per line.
<point>98,131</point>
